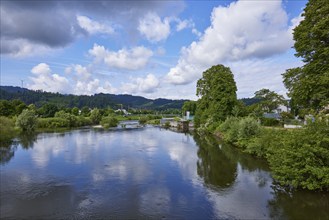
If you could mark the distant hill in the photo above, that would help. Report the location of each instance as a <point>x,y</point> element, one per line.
<point>100,100</point>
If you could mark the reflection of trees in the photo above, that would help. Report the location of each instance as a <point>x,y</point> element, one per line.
<point>27,139</point>
<point>247,161</point>
<point>213,165</point>
<point>299,205</point>
<point>7,153</point>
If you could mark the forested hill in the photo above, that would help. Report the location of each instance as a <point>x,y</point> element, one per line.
<point>94,101</point>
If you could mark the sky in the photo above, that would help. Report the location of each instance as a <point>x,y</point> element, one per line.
<point>155,49</point>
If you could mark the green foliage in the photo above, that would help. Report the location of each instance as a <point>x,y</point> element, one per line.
<point>70,119</point>
<point>297,157</point>
<point>166,125</point>
<point>109,121</point>
<point>27,120</point>
<point>189,106</point>
<point>57,122</point>
<point>217,92</point>
<point>85,111</point>
<point>47,110</point>
<point>154,122</point>
<point>230,127</point>
<point>239,129</point>
<point>7,130</point>
<point>269,121</point>
<point>95,116</point>
<point>75,111</point>
<point>308,85</point>
<point>270,100</point>
<point>142,120</point>
<point>248,128</point>
<point>301,157</point>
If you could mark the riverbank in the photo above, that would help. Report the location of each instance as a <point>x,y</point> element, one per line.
<point>298,158</point>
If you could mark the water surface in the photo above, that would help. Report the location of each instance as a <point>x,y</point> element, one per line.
<point>142,173</point>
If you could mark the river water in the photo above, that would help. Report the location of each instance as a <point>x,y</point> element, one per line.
<point>142,173</point>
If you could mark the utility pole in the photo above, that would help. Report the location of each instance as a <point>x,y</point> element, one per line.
<point>22,81</point>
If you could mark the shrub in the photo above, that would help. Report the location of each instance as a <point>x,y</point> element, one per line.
<point>7,130</point>
<point>108,122</point>
<point>83,121</point>
<point>269,122</point>
<point>71,119</point>
<point>301,157</point>
<point>231,129</point>
<point>248,128</point>
<point>167,124</point>
<point>27,120</point>
<point>53,123</point>
<point>142,120</point>
<point>95,116</point>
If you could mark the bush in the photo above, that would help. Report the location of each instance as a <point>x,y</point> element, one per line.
<point>142,120</point>
<point>83,121</point>
<point>95,116</point>
<point>166,125</point>
<point>27,120</point>
<point>230,127</point>
<point>7,130</point>
<point>108,122</point>
<point>300,158</point>
<point>71,119</point>
<point>269,122</point>
<point>248,128</point>
<point>53,123</point>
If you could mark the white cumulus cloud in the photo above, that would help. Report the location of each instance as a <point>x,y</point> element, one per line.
<point>78,80</point>
<point>153,28</point>
<point>129,59</point>
<point>141,85</point>
<point>44,79</point>
<point>93,27</point>
<point>243,30</point>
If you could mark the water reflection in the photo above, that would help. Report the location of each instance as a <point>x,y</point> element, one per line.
<point>143,173</point>
<point>213,165</point>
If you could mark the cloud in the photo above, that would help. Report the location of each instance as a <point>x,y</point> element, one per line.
<point>93,27</point>
<point>243,30</point>
<point>141,85</point>
<point>129,59</point>
<point>54,24</point>
<point>45,80</point>
<point>79,80</point>
<point>153,28</point>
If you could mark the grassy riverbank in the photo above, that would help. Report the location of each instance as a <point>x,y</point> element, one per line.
<point>297,157</point>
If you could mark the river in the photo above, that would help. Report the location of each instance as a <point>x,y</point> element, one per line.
<point>143,173</point>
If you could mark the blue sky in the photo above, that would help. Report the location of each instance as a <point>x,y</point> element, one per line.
<point>149,48</point>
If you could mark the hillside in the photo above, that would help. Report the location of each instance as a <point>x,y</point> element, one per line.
<point>100,100</point>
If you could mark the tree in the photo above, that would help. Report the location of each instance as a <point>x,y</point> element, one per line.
<point>95,116</point>
<point>217,92</point>
<point>48,110</point>
<point>270,100</point>
<point>189,106</point>
<point>6,108</point>
<point>308,85</point>
<point>27,120</point>
<point>75,111</point>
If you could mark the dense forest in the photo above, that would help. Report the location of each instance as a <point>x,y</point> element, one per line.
<point>39,98</point>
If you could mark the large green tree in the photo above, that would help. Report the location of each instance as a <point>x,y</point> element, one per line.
<point>308,85</point>
<point>217,92</point>
<point>270,100</point>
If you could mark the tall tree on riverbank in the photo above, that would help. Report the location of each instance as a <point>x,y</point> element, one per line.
<point>270,100</point>
<point>308,85</point>
<point>217,92</point>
